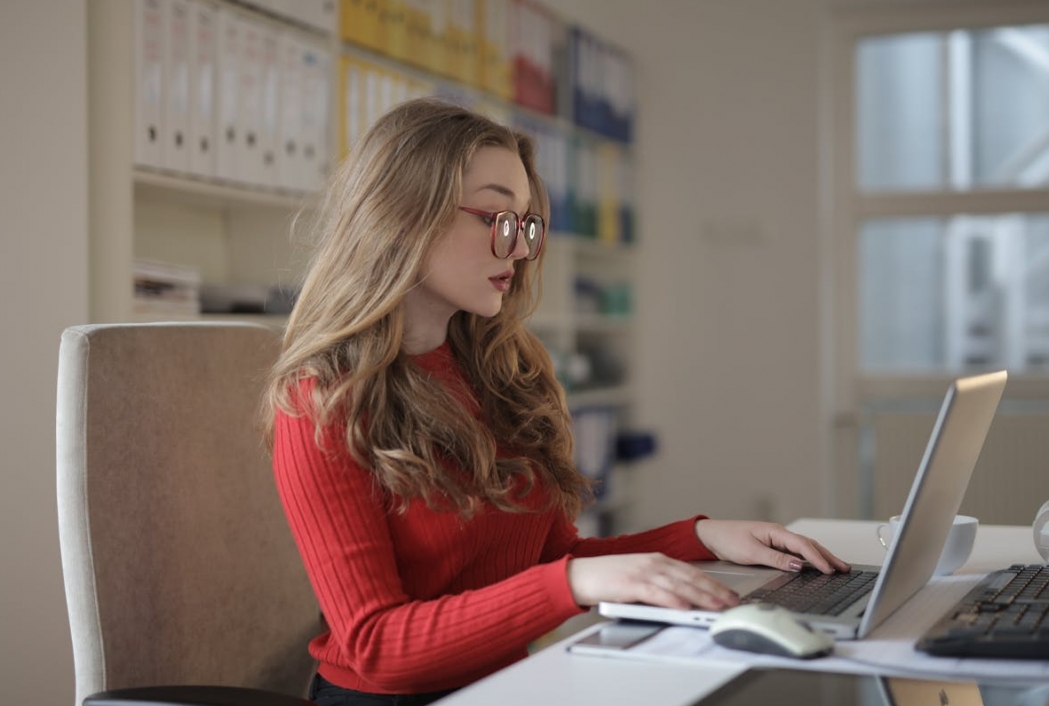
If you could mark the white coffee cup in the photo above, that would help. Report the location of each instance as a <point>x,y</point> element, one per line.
<point>956,549</point>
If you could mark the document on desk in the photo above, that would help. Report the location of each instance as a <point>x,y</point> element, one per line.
<point>888,651</point>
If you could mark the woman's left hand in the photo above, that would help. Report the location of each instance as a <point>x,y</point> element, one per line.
<point>766,543</point>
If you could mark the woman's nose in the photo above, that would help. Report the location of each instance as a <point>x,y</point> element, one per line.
<point>520,250</point>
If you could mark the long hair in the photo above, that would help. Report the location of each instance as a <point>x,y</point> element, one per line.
<point>386,207</point>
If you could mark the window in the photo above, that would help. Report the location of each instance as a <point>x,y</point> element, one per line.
<point>951,137</point>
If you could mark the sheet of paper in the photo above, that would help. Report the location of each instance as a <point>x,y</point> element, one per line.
<point>889,650</point>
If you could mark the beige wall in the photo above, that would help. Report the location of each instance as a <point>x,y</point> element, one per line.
<point>728,159</point>
<point>43,244</point>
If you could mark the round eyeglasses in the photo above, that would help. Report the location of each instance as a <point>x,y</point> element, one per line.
<point>506,225</point>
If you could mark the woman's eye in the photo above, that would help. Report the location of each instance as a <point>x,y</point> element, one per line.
<point>488,221</point>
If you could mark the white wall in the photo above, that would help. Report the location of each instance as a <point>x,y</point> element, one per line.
<point>728,157</point>
<point>43,246</point>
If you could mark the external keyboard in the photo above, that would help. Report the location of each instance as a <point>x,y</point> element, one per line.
<point>1005,615</point>
<point>813,592</point>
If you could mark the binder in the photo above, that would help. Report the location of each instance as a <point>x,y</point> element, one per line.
<point>227,91</point>
<point>202,78</point>
<point>608,220</point>
<point>315,105</point>
<point>462,41</point>
<point>251,102</point>
<point>495,73</point>
<point>437,56</point>
<point>351,21</point>
<point>350,124</point>
<point>174,152</point>
<point>416,31</point>
<point>289,142</point>
<point>149,81</point>
<point>269,127</point>
<point>395,29</point>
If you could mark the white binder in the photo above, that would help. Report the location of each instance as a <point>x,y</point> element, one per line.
<point>269,117</point>
<point>149,81</point>
<point>250,101</point>
<point>290,139</point>
<point>227,90</point>
<point>315,123</point>
<point>203,51</point>
<point>175,146</point>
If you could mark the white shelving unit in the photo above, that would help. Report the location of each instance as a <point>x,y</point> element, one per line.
<point>240,235</point>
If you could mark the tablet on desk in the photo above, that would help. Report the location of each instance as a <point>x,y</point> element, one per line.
<point>764,686</point>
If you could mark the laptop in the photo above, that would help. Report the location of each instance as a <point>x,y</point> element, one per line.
<point>935,496</point>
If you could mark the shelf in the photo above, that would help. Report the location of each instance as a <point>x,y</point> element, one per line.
<point>198,192</point>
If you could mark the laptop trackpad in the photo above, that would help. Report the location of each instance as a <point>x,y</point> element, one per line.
<point>741,579</point>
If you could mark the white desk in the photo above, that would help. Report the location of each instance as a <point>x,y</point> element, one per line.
<point>553,676</point>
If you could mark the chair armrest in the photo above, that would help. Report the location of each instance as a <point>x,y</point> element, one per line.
<point>193,696</point>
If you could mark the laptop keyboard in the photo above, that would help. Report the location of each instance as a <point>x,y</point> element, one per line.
<point>1005,615</point>
<point>811,591</point>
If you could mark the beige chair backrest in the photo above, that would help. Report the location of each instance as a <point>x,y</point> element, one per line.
<point>178,563</point>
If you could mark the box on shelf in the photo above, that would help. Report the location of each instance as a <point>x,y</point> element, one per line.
<point>166,289</point>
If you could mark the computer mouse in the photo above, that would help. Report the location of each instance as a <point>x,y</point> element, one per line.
<point>769,629</point>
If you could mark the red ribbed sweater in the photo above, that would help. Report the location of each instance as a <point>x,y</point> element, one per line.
<point>425,600</point>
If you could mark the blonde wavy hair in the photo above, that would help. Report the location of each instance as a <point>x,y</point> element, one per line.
<point>387,206</point>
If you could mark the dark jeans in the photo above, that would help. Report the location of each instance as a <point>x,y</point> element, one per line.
<point>324,693</point>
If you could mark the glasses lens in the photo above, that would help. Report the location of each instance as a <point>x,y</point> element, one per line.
<point>534,234</point>
<point>504,234</point>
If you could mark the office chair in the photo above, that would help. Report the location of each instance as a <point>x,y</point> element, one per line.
<point>183,584</point>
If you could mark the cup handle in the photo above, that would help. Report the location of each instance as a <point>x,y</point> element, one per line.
<point>878,530</point>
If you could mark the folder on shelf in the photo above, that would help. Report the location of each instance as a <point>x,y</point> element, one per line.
<point>269,119</point>
<point>251,103</point>
<point>149,81</point>
<point>371,29</point>
<point>350,130</point>
<point>395,29</point>
<point>416,32</point>
<point>583,178</point>
<point>608,223</point>
<point>203,50</point>
<point>495,69</point>
<point>351,13</point>
<point>175,146</point>
<point>594,429</point>
<point>316,64</point>
<point>227,91</point>
<point>289,133</point>
<point>437,49</point>
<point>534,30</point>
<point>461,36</point>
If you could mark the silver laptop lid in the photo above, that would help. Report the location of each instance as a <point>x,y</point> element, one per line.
<point>936,494</point>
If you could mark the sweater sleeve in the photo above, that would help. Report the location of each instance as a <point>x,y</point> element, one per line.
<point>677,540</point>
<point>393,642</point>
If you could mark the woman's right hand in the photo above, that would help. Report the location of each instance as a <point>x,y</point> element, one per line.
<point>655,579</point>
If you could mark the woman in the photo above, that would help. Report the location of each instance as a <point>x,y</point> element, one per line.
<point>421,444</point>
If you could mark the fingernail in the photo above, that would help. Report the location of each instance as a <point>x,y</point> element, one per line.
<point>795,565</point>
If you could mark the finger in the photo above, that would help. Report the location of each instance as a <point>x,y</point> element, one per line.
<point>706,592</point>
<point>696,587</point>
<point>837,563</point>
<point>800,546</point>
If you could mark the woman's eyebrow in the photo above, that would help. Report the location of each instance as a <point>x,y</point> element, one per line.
<point>499,188</point>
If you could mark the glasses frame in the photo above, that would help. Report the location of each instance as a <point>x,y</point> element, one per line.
<point>495,216</point>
